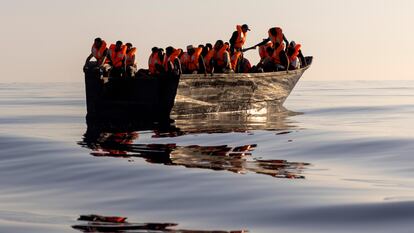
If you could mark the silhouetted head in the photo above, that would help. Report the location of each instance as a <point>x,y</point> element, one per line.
<point>218,45</point>
<point>245,28</point>
<point>201,46</point>
<point>154,49</point>
<point>169,50</point>
<point>98,42</point>
<point>118,45</point>
<point>128,45</point>
<point>273,31</point>
<point>190,49</point>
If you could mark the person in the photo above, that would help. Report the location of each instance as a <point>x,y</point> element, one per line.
<point>238,38</point>
<point>296,58</point>
<point>221,58</point>
<point>208,54</point>
<point>171,63</point>
<point>169,83</point>
<point>131,65</point>
<point>155,61</point>
<point>117,57</point>
<point>99,51</point>
<point>192,61</point>
<point>263,50</point>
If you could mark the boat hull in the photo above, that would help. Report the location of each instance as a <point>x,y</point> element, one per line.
<point>234,92</point>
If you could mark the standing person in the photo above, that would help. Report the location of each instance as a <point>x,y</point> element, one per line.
<point>221,57</point>
<point>171,63</point>
<point>155,61</point>
<point>131,65</point>
<point>238,38</point>
<point>99,51</point>
<point>117,57</point>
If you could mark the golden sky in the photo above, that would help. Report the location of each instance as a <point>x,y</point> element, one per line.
<point>48,40</point>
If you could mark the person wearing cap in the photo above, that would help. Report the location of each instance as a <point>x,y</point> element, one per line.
<point>238,38</point>
<point>192,61</point>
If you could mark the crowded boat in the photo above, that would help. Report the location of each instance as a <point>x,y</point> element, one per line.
<point>276,54</point>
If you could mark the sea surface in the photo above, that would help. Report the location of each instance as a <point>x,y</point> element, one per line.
<point>341,159</point>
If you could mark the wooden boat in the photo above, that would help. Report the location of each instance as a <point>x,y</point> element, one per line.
<point>198,93</point>
<point>147,97</point>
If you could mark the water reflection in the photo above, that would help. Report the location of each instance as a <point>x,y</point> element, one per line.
<point>120,143</point>
<point>99,223</point>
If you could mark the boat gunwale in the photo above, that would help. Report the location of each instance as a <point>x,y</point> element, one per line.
<point>245,75</point>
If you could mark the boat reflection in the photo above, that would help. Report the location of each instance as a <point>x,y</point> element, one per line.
<point>109,142</point>
<point>115,224</point>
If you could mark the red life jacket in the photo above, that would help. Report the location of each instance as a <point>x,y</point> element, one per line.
<point>262,50</point>
<point>193,62</point>
<point>171,58</point>
<point>98,53</point>
<point>241,38</point>
<point>208,58</point>
<point>295,53</point>
<point>219,55</point>
<point>130,56</point>
<point>279,36</point>
<point>152,61</point>
<point>234,59</point>
<point>117,56</point>
<point>276,57</point>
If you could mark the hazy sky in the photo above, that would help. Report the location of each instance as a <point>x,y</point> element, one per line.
<point>48,40</point>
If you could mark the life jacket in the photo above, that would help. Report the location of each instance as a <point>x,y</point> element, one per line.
<point>153,60</point>
<point>207,59</point>
<point>234,59</point>
<point>98,53</point>
<point>262,50</point>
<point>241,38</point>
<point>185,60</point>
<point>219,55</point>
<point>130,56</point>
<point>193,62</point>
<point>295,53</point>
<point>279,36</point>
<point>117,56</point>
<point>171,58</point>
<point>276,57</point>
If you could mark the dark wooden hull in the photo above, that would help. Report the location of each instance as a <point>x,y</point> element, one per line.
<point>144,99</point>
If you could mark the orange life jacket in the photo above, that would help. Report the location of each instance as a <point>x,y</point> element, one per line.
<point>234,59</point>
<point>276,57</point>
<point>98,53</point>
<point>262,50</point>
<point>193,62</point>
<point>241,38</point>
<point>295,53</point>
<point>279,36</point>
<point>207,59</point>
<point>171,58</point>
<point>185,60</point>
<point>117,56</point>
<point>130,56</point>
<point>219,55</point>
<point>153,60</point>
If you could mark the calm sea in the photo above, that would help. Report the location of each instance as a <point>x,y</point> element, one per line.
<point>341,160</point>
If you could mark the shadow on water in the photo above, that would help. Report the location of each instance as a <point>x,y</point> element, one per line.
<point>98,223</point>
<point>118,141</point>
